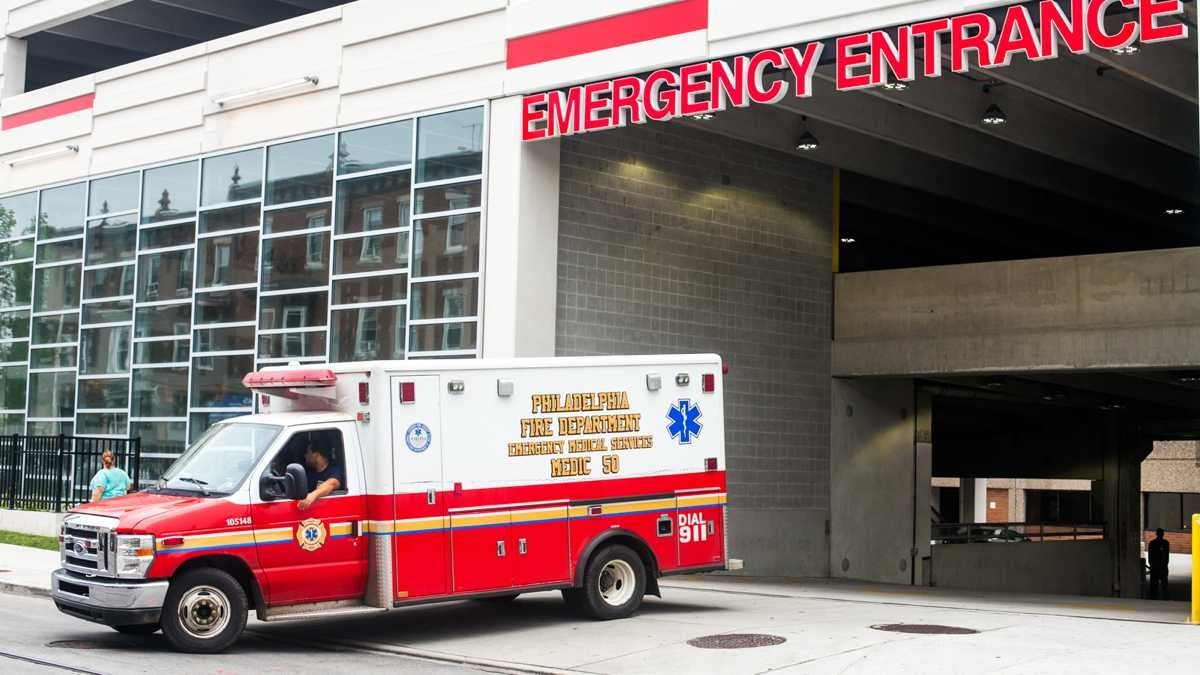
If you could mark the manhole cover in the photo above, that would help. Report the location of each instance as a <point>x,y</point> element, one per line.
<point>736,641</point>
<point>923,629</point>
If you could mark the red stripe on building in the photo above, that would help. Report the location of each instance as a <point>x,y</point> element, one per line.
<point>614,31</point>
<point>47,111</point>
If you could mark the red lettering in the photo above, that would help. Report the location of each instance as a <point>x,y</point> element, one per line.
<point>531,115</point>
<point>626,92</point>
<point>1016,37</point>
<point>964,40</point>
<point>689,87</point>
<point>848,60</point>
<point>1098,33</point>
<point>563,111</point>
<point>1151,31</point>
<point>929,32</point>
<point>594,104</point>
<point>758,64</point>
<point>894,57</point>
<point>804,65</point>
<point>729,83</point>
<point>661,104</point>
<point>1057,26</point>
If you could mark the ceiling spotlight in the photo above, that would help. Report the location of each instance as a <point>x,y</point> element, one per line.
<point>1174,212</point>
<point>703,117</point>
<point>1126,50</point>
<point>848,240</point>
<point>895,86</point>
<point>993,116</point>
<point>1189,379</point>
<point>808,142</point>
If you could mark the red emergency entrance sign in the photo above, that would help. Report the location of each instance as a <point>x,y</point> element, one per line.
<point>863,60</point>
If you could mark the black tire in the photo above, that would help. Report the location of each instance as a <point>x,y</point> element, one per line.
<point>212,600</point>
<point>138,629</point>
<point>613,585</point>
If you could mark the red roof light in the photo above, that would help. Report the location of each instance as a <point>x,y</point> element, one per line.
<point>296,377</point>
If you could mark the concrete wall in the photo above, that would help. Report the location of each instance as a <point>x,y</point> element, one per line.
<point>1114,311</point>
<point>673,240</point>
<point>30,522</point>
<point>872,457</point>
<point>1173,466</point>
<point>1064,568</point>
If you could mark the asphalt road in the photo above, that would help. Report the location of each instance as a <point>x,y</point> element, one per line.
<point>36,638</point>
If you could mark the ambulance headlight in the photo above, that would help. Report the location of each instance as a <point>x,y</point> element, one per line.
<point>135,552</point>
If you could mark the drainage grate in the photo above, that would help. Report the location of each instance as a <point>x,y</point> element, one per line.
<point>737,641</point>
<point>923,629</point>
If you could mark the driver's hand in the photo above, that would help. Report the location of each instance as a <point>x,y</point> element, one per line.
<point>303,504</point>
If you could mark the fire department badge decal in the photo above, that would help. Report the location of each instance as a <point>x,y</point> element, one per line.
<point>311,534</point>
<point>418,437</point>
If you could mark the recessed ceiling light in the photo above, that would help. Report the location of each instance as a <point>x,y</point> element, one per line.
<point>993,116</point>
<point>1174,212</point>
<point>895,86</point>
<point>848,240</point>
<point>703,116</point>
<point>1126,50</point>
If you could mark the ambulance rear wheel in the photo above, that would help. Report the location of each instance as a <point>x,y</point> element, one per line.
<point>613,585</point>
<point>205,611</point>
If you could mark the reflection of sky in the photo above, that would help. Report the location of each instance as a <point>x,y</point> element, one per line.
<point>218,186</point>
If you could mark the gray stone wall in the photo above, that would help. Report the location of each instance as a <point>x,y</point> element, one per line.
<point>674,240</point>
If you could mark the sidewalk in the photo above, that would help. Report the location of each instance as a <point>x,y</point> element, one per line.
<point>26,570</point>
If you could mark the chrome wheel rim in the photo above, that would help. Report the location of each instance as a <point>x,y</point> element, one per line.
<point>204,612</point>
<point>616,583</point>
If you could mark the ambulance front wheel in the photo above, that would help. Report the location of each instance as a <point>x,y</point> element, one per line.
<point>205,611</point>
<point>613,585</point>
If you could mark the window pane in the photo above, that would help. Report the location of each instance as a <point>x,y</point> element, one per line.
<point>300,170</point>
<point>167,235</point>
<point>16,250</point>
<point>16,282</point>
<point>296,262</point>
<point>12,423</point>
<point>370,254</point>
<point>102,424</point>
<point>13,352</point>
<point>226,306</point>
<point>228,260</point>
<point>201,422</point>
<point>217,381</point>
<point>62,211</point>
<point>169,192</point>
<point>368,333</point>
<point>374,203</point>
<point>1191,505</point>
<point>57,288</point>
<point>165,438</point>
<point>52,357</point>
<point>14,324</point>
<point>1163,509</point>
<point>107,312</point>
<point>305,310</point>
<point>164,276</point>
<point>375,147</point>
<point>299,218</point>
<point>52,394</point>
<point>450,145</point>
<point>445,299</point>
<point>51,429</point>
<point>48,330</point>
<point>230,219</point>
<point>223,339</point>
<point>442,336</point>
<point>232,177</point>
<point>161,351</point>
<point>113,195</point>
<point>108,282</point>
<point>101,394</point>
<point>12,387</point>
<point>111,240</point>
<point>18,216</point>
<point>60,251</point>
<point>160,392</point>
<point>291,345</point>
<point>448,197</point>
<point>104,350</point>
<point>446,245</point>
<point>370,289</point>
<point>164,321</point>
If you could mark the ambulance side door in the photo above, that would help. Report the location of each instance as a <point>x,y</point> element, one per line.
<point>420,541</point>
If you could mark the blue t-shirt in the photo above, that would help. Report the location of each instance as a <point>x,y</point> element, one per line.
<point>114,481</point>
<point>315,478</point>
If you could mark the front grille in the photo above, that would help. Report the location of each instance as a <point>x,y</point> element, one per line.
<point>88,549</point>
<point>73,589</point>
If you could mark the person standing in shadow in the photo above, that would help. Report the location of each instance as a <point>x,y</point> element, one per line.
<point>1159,552</point>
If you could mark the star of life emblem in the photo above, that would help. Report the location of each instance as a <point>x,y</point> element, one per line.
<point>684,419</point>
<point>311,534</point>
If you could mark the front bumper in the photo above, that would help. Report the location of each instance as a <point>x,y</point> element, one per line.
<point>111,602</point>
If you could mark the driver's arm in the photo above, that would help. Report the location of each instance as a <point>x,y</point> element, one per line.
<point>327,486</point>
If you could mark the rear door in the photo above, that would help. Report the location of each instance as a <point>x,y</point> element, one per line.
<point>419,533</point>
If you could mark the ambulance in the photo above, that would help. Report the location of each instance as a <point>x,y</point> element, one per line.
<point>468,479</point>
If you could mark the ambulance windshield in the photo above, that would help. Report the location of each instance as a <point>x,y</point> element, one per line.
<point>219,462</point>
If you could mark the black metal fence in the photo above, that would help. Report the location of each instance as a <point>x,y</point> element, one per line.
<point>51,473</point>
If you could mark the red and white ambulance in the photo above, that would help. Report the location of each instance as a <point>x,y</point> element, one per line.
<point>463,479</point>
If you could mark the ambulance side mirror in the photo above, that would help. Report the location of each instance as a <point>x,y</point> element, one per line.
<point>296,481</point>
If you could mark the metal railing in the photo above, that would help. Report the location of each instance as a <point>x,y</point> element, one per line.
<point>1008,533</point>
<point>51,473</point>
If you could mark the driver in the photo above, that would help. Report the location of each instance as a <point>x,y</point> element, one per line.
<point>323,475</point>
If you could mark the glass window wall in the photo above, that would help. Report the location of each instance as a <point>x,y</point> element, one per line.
<point>62,212</point>
<point>169,192</point>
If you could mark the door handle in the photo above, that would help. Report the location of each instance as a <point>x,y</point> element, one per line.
<point>521,548</point>
<point>500,548</point>
<point>431,497</point>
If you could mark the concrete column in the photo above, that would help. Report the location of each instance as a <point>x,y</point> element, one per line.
<point>12,66</point>
<point>972,500</point>
<point>521,246</point>
<point>1120,493</point>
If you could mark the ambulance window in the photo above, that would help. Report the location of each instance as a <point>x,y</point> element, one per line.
<point>326,441</point>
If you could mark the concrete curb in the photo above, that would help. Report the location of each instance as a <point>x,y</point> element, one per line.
<point>22,589</point>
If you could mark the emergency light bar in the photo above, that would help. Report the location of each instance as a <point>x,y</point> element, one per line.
<point>283,382</point>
